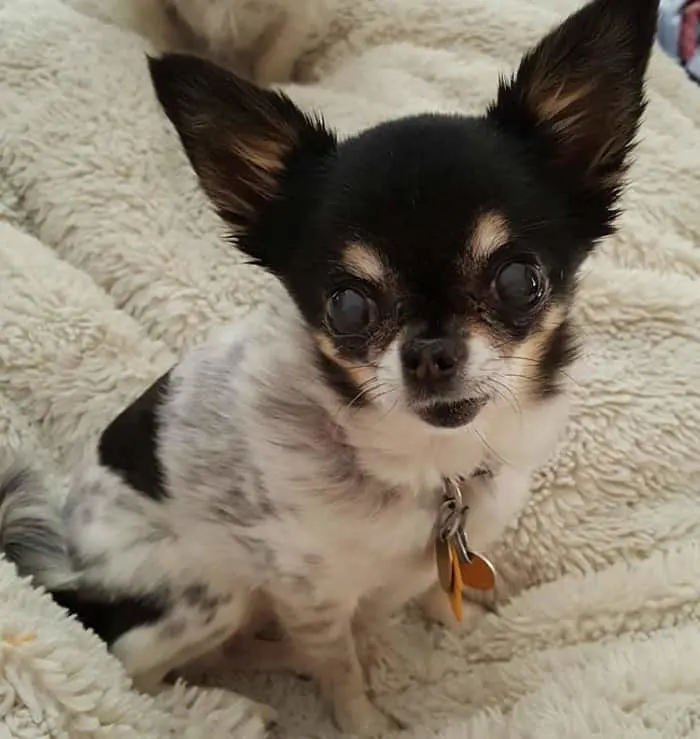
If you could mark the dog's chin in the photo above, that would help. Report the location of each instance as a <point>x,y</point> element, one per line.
<point>451,414</point>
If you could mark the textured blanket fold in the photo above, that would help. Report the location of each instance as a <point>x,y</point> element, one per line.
<point>111,265</point>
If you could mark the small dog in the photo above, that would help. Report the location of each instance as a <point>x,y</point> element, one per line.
<point>261,38</point>
<point>292,470</point>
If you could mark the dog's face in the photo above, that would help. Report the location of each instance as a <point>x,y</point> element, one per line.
<point>429,263</point>
<point>434,257</point>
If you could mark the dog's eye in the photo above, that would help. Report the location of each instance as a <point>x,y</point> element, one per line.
<point>350,312</point>
<point>519,286</point>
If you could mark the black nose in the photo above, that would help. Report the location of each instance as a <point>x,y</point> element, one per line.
<point>432,359</point>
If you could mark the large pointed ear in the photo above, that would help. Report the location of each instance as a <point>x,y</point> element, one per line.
<point>240,139</point>
<point>580,94</point>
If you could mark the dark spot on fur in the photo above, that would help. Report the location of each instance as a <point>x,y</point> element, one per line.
<point>388,496</point>
<point>258,550</point>
<point>267,507</point>
<point>172,629</point>
<point>209,617</point>
<point>235,509</point>
<point>194,594</point>
<point>560,352</point>
<point>110,615</point>
<point>129,445</point>
<point>210,603</point>
<point>244,509</point>
<point>198,596</point>
<point>94,490</point>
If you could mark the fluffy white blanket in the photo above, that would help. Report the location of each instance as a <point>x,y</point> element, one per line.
<point>110,265</point>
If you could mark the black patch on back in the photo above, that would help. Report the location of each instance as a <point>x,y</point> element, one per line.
<point>340,380</point>
<point>561,351</point>
<point>111,616</point>
<point>129,445</point>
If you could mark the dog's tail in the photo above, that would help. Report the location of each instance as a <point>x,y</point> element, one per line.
<point>32,531</point>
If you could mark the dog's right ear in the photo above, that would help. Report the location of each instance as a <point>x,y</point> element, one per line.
<point>239,138</point>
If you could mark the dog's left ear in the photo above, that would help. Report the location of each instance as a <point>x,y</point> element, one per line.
<point>579,95</point>
<point>242,140</point>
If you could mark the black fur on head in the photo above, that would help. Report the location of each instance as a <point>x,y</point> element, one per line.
<point>445,246</point>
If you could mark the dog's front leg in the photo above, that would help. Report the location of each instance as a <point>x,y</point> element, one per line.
<point>372,620</point>
<point>323,638</point>
<point>318,641</point>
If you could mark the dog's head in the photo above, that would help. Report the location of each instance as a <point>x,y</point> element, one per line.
<point>434,257</point>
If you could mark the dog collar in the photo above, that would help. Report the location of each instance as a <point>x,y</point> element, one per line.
<point>458,566</point>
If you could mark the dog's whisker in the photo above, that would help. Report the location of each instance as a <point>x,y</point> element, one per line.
<point>488,446</point>
<point>503,391</point>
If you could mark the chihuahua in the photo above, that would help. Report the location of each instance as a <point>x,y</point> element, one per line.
<point>292,470</point>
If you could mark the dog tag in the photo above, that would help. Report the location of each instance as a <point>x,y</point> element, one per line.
<point>457,587</point>
<point>450,575</point>
<point>444,564</point>
<point>458,567</point>
<point>478,573</point>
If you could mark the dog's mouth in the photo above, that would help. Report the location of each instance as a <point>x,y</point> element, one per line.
<point>452,414</point>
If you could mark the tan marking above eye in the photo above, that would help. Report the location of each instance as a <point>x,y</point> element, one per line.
<point>490,232</point>
<point>363,262</point>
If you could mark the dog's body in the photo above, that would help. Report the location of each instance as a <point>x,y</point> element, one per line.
<point>277,499</point>
<point>262,38</point>
<point>292,469</point>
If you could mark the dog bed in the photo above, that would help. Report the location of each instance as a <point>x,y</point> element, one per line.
<point>111,265</point>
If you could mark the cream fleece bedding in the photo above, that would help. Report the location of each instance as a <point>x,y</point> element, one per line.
<point>111,265</point>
